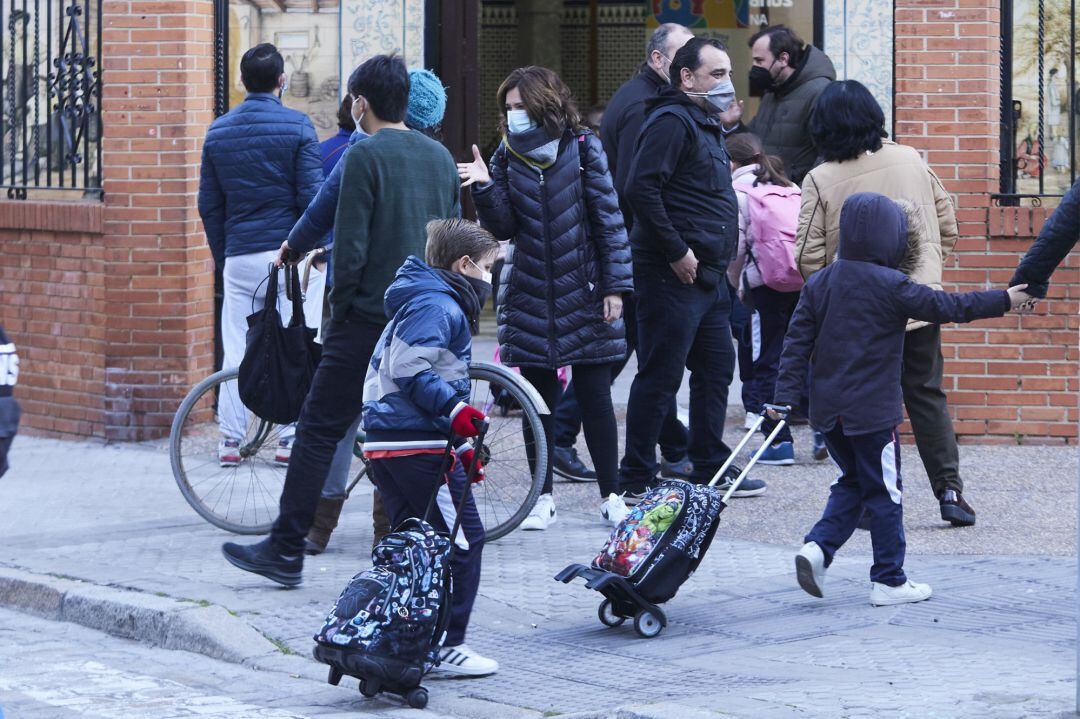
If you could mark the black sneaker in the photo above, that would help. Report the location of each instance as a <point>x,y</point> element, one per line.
<point>568,464</point>
<point>955,510</point>
<point>747,488</point>
<point>679,469</point>
<point>263,559</point>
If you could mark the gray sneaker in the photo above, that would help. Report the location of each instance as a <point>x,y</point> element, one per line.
<point>679,469</point>
<point>749,487</point>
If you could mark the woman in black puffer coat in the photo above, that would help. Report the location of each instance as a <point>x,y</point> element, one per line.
<point>548,190</point>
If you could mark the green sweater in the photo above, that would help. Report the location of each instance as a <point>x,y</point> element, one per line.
<point>393,184</point>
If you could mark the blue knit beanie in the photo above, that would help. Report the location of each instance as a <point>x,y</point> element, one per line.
<point>427,100</point>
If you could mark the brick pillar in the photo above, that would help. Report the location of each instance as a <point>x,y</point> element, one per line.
<point>1006,378</point>
<point>158,271</point>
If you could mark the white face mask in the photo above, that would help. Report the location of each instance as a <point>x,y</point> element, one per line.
<point>485,276</point>
<point>518,121</point>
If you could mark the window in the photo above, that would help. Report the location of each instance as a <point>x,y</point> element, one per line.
<point>50,97</point>
<point>1039,100</point>
<point>306,33</point>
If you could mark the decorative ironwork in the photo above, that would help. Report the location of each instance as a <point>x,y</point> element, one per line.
<point>1025,159</point>
<point>50,103</point>
<point>221,57</point>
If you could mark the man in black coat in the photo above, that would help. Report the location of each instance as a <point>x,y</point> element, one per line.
<point>619,132</point>
<point>685,229</point>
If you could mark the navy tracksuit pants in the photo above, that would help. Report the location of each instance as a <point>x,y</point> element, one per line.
<point>405,484</point>
<point>869,477</point>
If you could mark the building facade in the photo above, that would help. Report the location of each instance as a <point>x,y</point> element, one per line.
<point>107,287</point>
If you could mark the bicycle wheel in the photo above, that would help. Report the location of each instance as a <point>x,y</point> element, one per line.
<point>515,448</point>
<point>243,498</point>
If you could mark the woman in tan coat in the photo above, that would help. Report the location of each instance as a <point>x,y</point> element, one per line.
<point>848,129</point>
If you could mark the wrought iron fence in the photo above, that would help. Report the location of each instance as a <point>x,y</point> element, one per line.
<point>50,96</point>
<point>1037,56</point>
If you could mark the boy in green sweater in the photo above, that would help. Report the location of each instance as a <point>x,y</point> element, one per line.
<point>393,184</point>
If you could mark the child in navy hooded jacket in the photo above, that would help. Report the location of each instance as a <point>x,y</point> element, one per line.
<point>848,333</point>
<point>416,396</point>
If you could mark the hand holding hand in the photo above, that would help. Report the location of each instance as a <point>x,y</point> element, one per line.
<point>1020,301</point>
<point>464,420</point>
<point>475,171</point>
<point>612,308</point>
<point>686,268</point>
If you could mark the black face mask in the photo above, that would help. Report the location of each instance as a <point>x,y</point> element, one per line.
<point>481,288</point>
<point>761,81</point>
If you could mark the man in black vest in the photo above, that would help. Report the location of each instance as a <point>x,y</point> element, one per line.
<point>686,226</point>
<point>619,132</point>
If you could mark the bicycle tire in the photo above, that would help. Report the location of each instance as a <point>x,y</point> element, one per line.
<point>531,407</point>
<point>180,473</point>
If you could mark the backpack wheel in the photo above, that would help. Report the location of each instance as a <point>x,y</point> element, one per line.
<point>368,688</point>
<point>647,624</point>
<point>417,698</point>
<point>334,677</point>
<point>608,617</point>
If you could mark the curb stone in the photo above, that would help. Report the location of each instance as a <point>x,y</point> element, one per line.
<point>661,710</point>
<point>158,621</point>
<point>207,629</point>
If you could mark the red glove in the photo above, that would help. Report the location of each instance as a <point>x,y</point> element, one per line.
<point>467,456</point>
<point>463,420</point>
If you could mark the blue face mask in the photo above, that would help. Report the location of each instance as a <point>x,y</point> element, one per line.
<point>720,97</point>
<point>518,121</point>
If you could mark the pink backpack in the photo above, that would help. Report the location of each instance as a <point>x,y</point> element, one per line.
<point>773,213</point>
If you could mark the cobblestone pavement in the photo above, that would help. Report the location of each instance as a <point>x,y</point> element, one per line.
<point>996,640</point>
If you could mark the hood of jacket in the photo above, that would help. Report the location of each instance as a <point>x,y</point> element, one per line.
<point>815,64</point>
<point>873,229</point>
<point>415,278</point>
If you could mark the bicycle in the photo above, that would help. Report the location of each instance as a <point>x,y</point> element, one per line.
<point>244,498</point>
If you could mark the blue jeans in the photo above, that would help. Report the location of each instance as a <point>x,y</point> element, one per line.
<point>869,477</point>
<point>679,326</point>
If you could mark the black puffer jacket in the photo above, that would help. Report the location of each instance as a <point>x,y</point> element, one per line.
<point>569,250</point>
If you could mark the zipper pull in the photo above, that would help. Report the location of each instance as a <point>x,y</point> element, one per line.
<point>541,178</point>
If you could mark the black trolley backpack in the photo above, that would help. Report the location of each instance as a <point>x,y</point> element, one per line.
<point>388,625</point>
<point>660,543</point>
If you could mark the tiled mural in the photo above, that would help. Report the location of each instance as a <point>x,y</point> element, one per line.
<point>371,27</point>
<point>859,40</point>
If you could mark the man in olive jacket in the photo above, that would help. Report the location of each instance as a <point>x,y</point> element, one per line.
<point>788,75</point>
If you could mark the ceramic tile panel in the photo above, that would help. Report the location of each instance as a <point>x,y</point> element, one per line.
<point>859,40</point>
<point>371,27</point>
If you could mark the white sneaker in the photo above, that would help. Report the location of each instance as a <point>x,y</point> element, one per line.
<point>882,595</point>
<point>229,452</point>
<point>613,509</point>
<point>751,421</point>
<point>462,661</point>
<point>542,515</point>
<point>810,569</point>
<point>284,453</point>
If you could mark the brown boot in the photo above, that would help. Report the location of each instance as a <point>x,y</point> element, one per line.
<point>379,521</point>
<point>326,518</point>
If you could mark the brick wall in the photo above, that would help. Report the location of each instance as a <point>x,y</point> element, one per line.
<point>52,291</point>
<point>1012,379</point>
<point>158,287</point>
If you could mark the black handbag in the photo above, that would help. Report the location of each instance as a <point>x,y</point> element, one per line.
<point>279,362</point>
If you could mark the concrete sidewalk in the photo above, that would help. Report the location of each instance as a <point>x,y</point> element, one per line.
<point>997,639</point>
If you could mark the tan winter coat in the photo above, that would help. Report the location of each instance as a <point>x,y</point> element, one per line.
<point>896,171</point>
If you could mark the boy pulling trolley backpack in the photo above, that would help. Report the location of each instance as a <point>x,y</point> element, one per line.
<point>389,624</point>
<point>660,543</point>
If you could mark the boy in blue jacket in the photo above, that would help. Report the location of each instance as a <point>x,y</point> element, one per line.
<point>848,332</point>
<point>416,395</point>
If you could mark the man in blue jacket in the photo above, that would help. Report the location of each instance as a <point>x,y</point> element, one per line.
<point>686,225</point>
<point>260,169</point>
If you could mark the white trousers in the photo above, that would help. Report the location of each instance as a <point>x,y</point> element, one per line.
<point>245,292</point>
